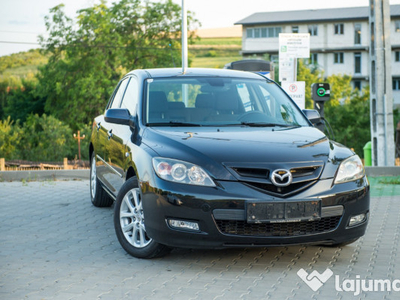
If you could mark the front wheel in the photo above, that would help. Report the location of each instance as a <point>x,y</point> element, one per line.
<point>130,226</point>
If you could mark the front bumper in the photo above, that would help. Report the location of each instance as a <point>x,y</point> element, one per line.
<point>220,213</point>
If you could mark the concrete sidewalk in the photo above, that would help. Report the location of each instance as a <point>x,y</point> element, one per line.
<point>41,175</point>
<point>56,245</point>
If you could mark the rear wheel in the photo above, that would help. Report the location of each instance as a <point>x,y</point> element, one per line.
<point>130,226</point>
<point>98,195</point>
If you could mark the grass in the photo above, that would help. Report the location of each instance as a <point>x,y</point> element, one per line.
<point>215,52</point>
<point>234,41</point>
<point>213,62</point>
<point>385,186</point>
<point>21,71</point>
<point>389,180</point>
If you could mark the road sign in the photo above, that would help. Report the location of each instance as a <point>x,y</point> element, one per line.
<point>296,91</point>
<point>291,47</point>
<point>295,45</point>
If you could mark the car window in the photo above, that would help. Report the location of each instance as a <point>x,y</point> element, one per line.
<point>245,97</point>
<point>219,101</point>
<point>116,102</point>
<point>131,97</point>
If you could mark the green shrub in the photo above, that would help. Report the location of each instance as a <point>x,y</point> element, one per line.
<point>9,138</point>
<point>45,138</point>
<point>211,53</point>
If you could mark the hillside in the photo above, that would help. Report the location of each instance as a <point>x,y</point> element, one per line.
<point>207,52</point>
<point>21,64</point>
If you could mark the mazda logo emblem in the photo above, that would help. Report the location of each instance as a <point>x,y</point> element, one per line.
<point>281,177</point>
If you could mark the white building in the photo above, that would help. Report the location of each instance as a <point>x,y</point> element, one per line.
<point>339,39</point>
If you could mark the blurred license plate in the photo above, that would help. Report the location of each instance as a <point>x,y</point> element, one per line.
<point>279,212</point>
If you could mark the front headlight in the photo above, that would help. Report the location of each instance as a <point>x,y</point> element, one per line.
<point>180,171</point>
<point>350,169</point>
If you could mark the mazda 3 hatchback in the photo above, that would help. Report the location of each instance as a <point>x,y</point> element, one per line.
<point>220,158</point>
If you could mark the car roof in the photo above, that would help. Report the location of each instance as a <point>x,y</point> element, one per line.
<point>193,72</point>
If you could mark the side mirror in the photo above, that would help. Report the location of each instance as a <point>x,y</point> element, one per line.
<point>313,115</point>
<point>119,116</point>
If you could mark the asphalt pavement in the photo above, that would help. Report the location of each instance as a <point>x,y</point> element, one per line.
<point>55,245</point>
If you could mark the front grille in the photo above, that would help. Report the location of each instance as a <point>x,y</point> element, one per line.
<point>252,172</point>
<point>281,191</point>
<point>278,229</point>
<point>258,177</point>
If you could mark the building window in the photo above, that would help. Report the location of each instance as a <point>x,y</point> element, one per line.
<point>397,24</point>
<point>314,58</point>
<point>313,30</point>
<point>263,32</point>
<point>397,56</point>
<point>396,84</point>
<point>249,32</point>
<point>357,63</point>
<point>339,28</point>
<point>357,34</point>
<point>339,58</point>
<point>357,84</point>
<point>295,29</point>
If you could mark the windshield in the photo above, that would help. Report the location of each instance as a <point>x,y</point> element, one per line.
<point>217,101</point>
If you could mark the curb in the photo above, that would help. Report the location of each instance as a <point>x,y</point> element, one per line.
<point>382,171</point>
<point>40,175</point>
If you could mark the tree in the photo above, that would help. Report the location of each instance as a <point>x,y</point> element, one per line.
<point>9,138</point>
<point>87,60</point>
<point>350,121</point>
<point>7,85</point>
<point>310,75</point>
<point>45,138</point>
<point>23,101</point>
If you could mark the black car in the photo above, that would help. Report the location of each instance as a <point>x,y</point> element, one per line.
<point>220,158</point>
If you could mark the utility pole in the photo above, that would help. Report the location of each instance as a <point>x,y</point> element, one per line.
<point>184,38</point>
<point>381,95</point>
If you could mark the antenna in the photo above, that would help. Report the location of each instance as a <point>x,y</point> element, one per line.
<point>184,38</point>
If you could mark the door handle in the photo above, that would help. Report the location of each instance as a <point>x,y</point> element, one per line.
<point>110,134</point>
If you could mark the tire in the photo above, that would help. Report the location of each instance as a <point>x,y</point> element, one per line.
<point>98,195</point>
<point>130,226</point>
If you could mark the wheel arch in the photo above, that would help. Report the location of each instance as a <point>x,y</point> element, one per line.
<point>91,150</point>
<point>130,173</point>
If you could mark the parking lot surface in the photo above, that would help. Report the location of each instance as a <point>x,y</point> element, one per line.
<point>55,245</point>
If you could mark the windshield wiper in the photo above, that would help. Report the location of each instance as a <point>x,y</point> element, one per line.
<point>174,123</point>
<point>261,124</point>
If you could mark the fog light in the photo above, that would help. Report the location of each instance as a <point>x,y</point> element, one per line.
<point>181,224</point>
<point>357,219</point>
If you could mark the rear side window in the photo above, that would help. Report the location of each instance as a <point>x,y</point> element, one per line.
<point>116,101</point>
<point>131,97</point>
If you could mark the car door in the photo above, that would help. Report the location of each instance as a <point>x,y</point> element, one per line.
<point>113,149</point>
<point>118,152</point>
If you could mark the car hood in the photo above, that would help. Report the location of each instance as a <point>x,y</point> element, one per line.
<point>217,149</point>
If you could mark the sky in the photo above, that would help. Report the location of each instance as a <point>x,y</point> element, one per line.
<point>22,21</point>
